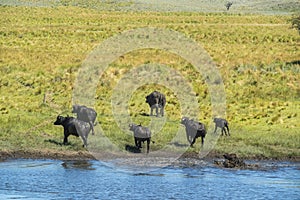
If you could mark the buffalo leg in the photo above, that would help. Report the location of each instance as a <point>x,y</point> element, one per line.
<point>194,140</point>
<point>215,129</point>
<point>136,142</point>
<point>156,110</point>
<point>226,133</point>
<point>202,141</point>
<point>188,137</point>
<point>148,145</point>
<point>92,127</point>
<point>84,142</point>
<point>228,130</point>
<point>151,112</point>
<point>84,138</point>
<point>223,130</point>
<point>66,138</point>
<point>162,112</point>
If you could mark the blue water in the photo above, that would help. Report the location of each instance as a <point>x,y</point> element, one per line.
<point>52,179</point>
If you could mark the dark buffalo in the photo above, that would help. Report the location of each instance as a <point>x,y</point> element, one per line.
<point>86,114</point>
<point>156,100</point>
<point>194,129</point>
<point>223,124</point>
<point>141,134</point>
<point>73,126</point>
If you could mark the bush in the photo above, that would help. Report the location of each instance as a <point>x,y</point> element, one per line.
<point>296,22</point>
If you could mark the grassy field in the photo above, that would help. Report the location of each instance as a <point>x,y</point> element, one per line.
<point>42,49</point>
<point>269,7</point>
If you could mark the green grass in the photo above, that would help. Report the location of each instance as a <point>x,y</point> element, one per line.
<point>42,49</point>
<point>268,142</point>
<point>270,7</point>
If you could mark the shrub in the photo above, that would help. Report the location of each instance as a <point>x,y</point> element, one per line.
<point>296,22</point>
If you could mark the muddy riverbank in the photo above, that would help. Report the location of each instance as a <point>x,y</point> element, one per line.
<point>86,155</point>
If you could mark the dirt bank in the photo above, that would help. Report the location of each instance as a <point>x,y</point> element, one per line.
<point>45,154</point>
<point>86,155</point>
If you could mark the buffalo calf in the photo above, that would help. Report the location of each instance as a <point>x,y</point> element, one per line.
<point>193,129</point>
<point>141,134</point>
<point>223,124</point>
<point>73,126</point>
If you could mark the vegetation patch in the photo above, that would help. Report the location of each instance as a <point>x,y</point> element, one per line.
<point>42,49</point>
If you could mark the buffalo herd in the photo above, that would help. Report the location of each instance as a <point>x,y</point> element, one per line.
<point>86,120</point>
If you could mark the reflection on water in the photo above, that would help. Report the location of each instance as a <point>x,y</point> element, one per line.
<point>78,164</point>
<point>52,179</point>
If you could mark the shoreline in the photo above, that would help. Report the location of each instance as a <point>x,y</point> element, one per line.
<point>86,155</point>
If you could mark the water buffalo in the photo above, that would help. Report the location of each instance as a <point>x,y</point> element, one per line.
<point>86,114</point>
<point>223,124</point>
<point>141,134</point>
<point>73,126</point>
<point>156,100</point>
<point>194,129</point>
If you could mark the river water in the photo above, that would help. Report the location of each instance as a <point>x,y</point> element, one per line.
<point>54,179</point>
